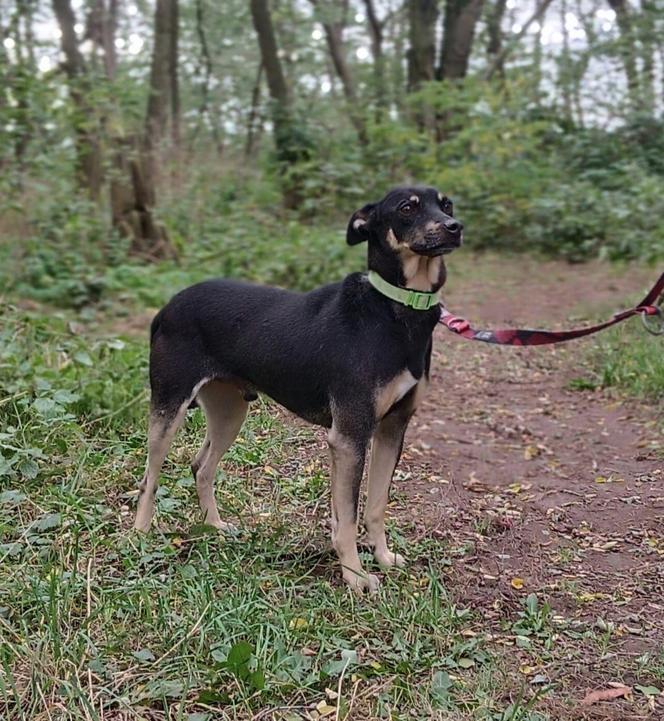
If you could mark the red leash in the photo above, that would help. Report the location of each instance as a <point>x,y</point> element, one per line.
<point>523,336</point>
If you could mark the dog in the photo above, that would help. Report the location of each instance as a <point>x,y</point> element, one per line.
<point>352,356</point>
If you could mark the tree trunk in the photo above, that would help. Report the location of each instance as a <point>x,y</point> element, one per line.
<point>628,52</point>
<point>132,178</point>
<point>88,148</point>
<point>334,37</point>
<point>290,144</point>
<point>494,30</point>
<point>564,67</point>
<point>160,100</point>
<point>459,24</point>
<point>422,15</point>
<point>251,121</point>
<point>173,73</point>
<point>376,31</point>
<point>648,36</point>
<point>132,200</point>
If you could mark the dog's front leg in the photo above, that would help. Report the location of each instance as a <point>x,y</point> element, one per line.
<point>385,452</point>
<point>347,454</point>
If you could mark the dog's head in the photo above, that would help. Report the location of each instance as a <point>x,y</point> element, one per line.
<point>414,220</point>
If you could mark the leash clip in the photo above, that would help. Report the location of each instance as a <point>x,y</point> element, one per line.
<point>656,312</point>
<point>458,325</point>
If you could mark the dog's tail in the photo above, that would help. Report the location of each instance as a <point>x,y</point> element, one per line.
<point>154,326</point>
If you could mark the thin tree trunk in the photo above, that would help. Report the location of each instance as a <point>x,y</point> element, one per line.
<point>334,37</point>
<point>628,51</point>
<point>648,37</point>
<point>495,32</point>
<point>160,99</point>
<point>459,24</point>
<point>173,74</point>
<point>204,68</point>
<point>537,63</point>
<point>564,67</point>
<point>251,121</point>
<point>88,149</point>
<point>291,147</point>
<point>376,31</point>
<point>499,60</point>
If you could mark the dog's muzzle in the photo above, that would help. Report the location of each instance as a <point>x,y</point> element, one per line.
<point>440,244</point>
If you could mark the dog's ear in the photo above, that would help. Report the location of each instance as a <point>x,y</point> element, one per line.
<point>359,224</point>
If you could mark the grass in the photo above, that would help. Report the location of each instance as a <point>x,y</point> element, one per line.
<point>630,359</point>
<point>97,621</point>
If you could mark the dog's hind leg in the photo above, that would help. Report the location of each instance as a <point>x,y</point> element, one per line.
<point>385,452</point>
<point>163,426</point>
<point>225,410</point>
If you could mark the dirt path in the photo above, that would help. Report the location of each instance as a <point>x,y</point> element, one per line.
<point>538,488</point>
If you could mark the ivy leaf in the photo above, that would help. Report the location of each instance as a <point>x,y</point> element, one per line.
<point>12,498</point>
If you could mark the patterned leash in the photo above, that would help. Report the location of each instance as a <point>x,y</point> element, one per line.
<point>648,307</point>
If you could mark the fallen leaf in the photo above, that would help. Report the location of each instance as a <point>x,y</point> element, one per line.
<point>324,709</point>
<point>517,583</point>
<point>606,694</point>
<point>531,452</point>
<point>297,623</point>
<point>648,690</point>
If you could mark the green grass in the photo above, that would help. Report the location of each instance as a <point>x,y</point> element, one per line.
<point>629,359</point>
<point>96,620</point>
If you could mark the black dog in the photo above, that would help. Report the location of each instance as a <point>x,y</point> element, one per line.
<point>351,356</point>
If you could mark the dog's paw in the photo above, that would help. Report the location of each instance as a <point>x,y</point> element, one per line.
<point>388,559</point>
<point>228,529</point>
<point>360,582</point>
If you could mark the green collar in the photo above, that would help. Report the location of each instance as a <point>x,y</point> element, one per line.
<point>412,298</point>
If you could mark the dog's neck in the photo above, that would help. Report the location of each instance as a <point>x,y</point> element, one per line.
<point>406,269</point>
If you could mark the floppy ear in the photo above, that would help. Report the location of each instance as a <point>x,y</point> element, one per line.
<point>358,225</point>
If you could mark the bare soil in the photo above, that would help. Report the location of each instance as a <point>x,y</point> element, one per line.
<point>538,488</point>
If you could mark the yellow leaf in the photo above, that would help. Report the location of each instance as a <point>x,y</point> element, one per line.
<point>324,708</point>
<point>531,452</point>
<point>517,583</point>
<point>297,623</point>
<point>526,670</point>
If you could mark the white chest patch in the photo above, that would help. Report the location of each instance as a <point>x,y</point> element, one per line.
<point>393,392</point>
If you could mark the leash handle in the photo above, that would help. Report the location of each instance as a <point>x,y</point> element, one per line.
<point>526,336</point>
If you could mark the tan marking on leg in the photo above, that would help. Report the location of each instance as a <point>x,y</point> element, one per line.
<point>388,394</point>
<point>385,448</point>
<point>225,410</point>
<point>200,456</point>
<point>384,452</point>
<point>346,474</point>
<point>161,432</point>
<point>160,436</point>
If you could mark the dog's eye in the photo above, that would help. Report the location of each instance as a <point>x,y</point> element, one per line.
<point>446,205</point>
<point>407,208</point>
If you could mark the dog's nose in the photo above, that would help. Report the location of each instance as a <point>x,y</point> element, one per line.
<point>453,226</point>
